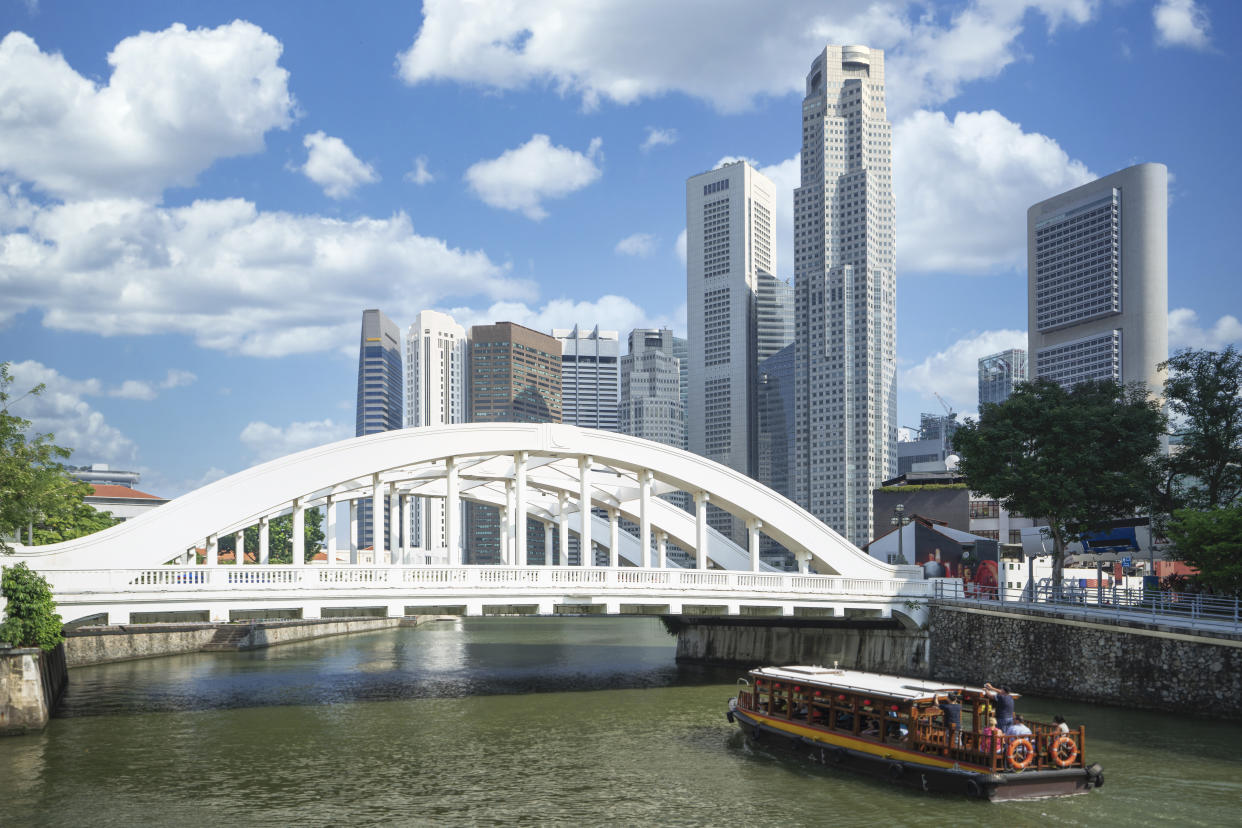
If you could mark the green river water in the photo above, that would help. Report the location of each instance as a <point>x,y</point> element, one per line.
<point>578,721</point>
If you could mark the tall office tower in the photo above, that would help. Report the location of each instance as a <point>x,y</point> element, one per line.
<point>435,394</point>
<point>775,406</point>
<point>590,378</point>
<point>515,377</point>
<point>998,373</point>
<point>845,283</point>
<point>730,243</point>
<point>1098,280</point>
<point>651,404</point>
<point>379,395</point>
<point>774,302</point>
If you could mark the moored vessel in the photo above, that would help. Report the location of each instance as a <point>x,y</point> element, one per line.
<point>902,729</point>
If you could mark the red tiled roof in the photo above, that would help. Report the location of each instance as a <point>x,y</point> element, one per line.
<point>110,490</point>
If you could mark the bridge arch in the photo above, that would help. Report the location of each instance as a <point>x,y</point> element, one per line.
<point>544,471</point>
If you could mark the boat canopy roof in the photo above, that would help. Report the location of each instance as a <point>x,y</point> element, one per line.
<point>895,687</point>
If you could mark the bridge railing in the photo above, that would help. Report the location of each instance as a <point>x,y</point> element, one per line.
<point>1187,610</point>
<point>248,578</point>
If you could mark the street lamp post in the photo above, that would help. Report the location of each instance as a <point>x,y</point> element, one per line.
<point>900,520</point>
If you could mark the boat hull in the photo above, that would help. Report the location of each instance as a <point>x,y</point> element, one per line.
<point>919,772</point>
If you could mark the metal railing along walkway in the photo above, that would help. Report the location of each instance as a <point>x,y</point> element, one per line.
<point>1197,612</point>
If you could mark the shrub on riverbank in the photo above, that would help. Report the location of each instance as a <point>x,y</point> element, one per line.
<point>31,619</point>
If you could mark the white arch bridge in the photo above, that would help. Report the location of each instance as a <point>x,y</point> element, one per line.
<point>553,474</point>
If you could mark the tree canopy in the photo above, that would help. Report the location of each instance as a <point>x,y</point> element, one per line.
<point>30,614</point>
<point>34,485</point>
<point>1076,457</point>
<point>280,538</point>
<point>1211,542</point>
<point>1204,394</point>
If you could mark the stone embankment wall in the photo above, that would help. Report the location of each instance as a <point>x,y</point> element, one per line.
<point>879,648</point>
<point>101,645</point>
<point>1137,666</point>
<point>31,684</point>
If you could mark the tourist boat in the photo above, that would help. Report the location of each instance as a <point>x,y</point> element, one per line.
<point>891,727</point>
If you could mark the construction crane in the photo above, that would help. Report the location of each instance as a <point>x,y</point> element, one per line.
<point>948,409</point>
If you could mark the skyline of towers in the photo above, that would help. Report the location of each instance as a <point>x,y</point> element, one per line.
<point>1098,280</point>
<point>590,377</point>
<point>845,283</point>
<point>651,401</point>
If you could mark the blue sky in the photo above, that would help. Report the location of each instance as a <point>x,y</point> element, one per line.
<point>197,200</point>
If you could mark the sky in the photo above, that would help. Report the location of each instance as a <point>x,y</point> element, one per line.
<point>198,200</point>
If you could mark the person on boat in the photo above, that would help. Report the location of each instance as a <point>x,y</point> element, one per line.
<point>1004,699</point>
<point>871,727</point>
<point>1062,727</point>
<point>951,709</point>
<point>990,740</point>
<point>1018,728</point>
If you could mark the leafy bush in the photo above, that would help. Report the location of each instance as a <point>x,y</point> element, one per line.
<point>31,619</point>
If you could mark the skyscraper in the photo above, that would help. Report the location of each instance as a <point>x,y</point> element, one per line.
<point>379,394</point>
<point>1098,280</point>
<point>845,285</point>
<point>775,404</point>
<point>435,394</point>
<point>590,378</point>
<point>730,244</point>
<point>774,302</point>
<point>515,377</point>
<point>651,404</point>
<point>998,373</point>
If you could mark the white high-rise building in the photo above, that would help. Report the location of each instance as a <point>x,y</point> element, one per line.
<point>1098,280</point>
<point>730,242</point>
<point>435,394</point>
<point>845,285</point>
<point>590,378</point>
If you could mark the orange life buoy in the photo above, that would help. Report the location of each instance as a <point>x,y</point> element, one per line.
<point>1063,750</point>
<point>1028,753</point>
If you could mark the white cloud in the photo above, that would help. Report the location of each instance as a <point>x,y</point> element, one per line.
<point>267,442</point>
<point>679,246</point>
<point>520,179</point>
<point>1181,23</point>
<point>62,411</point>
<point>1186,332</point>
<point>954,372</point>
<point>420,175</point>
<point>155,482</point>
<point>614,313</point>
<point>658,137</point>
<point>134,390</point>
<point>228,275</point>
<point>963,188</point>
<point>332,165</point>
<point>639,244</point>
<point>177,100</point>
<point>177,378</point>
<point>625,51</point>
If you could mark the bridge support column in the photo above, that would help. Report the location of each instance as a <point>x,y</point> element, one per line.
<point>509,521</point>
<point>452,514</point>
<point>396,610</point>
<point>239,546</point>
<point>213,551</point>
<point>562,524</point>
<point>519,481</point>
<point>377,520</point>
<point>614,537</point>
<point>662,549</point>
<point>644,518</point>
<point>264,541</point>
<point>804,562</point>
<point>547,544</point>
<point>299,533</point>
<point>753,527</point>
<point>700,530</point>
<point>505,528</point>
<point>394,522</point>
<point>117,617</point>
<point>329,522</point>
<point>587,554</point>
<point>407,540</point>
<point>353,532</point>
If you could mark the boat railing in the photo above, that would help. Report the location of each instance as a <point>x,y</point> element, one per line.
<point>993,751</point>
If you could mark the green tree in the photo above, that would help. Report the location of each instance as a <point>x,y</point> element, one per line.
<point>1204,395</point>
<point>33,483</point>
<point>1211,542</point>
<point>73,522</point>
<point>30,614</point>
<point>280,538</point>
<point>1077,458</point>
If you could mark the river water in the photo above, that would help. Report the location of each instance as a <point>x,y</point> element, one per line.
<point>518,721</point>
